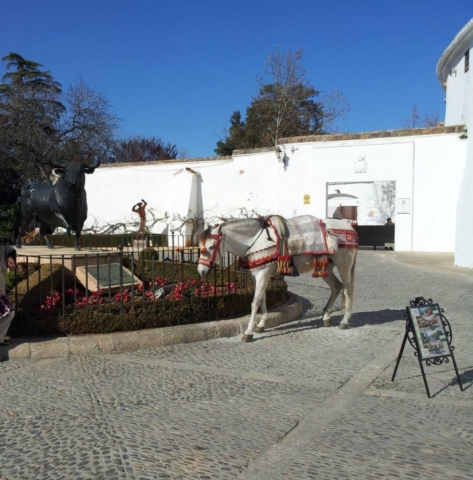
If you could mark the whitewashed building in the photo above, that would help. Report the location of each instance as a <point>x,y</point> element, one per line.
<point>417,177</point>
<point>455,75</point>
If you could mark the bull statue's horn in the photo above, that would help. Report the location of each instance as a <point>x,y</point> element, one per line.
<point>96,164</point>
<point>56,165</point>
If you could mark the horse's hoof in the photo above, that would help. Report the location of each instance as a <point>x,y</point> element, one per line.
<point>327,323</point>
<point>343,326</point>
<point>259,329</point>
<point>247,338</point>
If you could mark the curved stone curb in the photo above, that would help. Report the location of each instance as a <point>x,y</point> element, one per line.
<point>155,337</point>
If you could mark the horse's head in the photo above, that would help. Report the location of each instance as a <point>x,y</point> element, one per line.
<point>209,243</point>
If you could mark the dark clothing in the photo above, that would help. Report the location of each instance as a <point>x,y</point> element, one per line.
<point>7,311</point>
<point>5,252</point>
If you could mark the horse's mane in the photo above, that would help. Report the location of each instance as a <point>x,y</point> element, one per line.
<point>250,225</point>
<point>243,224</point>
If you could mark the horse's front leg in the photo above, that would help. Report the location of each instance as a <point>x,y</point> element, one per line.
<point>259,299</point>
<point>264,315</point>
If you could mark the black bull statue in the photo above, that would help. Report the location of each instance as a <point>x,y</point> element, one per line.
<point>63,204</point>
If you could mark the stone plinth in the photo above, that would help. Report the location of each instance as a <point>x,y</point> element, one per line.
<point>70,258</point>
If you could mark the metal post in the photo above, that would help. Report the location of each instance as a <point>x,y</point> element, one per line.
<point>120,256</point>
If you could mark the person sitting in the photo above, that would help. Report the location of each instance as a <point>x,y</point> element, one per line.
<point>389,221</point>
<point>7,312</point>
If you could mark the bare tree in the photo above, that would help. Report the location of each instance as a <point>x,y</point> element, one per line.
<point>384,197</point>
<point>194,222</point>
<point>128,226</point>
<point>141,149</point>
<point>286,105</point>
<point>89,126</point>
<point>416,120</point>
<point>289,105</point>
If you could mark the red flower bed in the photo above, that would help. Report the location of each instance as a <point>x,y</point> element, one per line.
<point>154,293</point>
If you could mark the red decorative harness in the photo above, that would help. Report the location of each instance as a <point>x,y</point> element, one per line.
<point>260,258</point>
<point>346,239</point>
<point>211,261</point>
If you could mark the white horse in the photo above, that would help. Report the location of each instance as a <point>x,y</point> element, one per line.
<point>254,242</point>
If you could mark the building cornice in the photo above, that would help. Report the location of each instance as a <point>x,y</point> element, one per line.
<point>405,132</point>
<point>454,50</point>
<point>334,137</point>
<point>175,161</point>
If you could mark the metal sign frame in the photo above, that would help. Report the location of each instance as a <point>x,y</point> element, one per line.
<point>418,327</point>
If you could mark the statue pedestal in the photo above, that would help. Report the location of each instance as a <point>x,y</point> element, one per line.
<point>94,269</point>
<point>70,258</point>
<point>138,245</point>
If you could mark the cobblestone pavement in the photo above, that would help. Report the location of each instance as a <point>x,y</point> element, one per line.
<point>300,402</point>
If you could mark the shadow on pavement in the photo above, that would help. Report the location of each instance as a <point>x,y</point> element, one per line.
<point>378,317</point>
<point>359,319</point>
<point>466,378</point>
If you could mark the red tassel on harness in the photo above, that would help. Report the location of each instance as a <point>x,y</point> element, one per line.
<point>320,266</point>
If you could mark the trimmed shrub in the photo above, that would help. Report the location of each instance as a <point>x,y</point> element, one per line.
<point>98,240</point>
<point>41,310</point>
<point>23,271</point>
<point>32,292</point>
<point>148,270</point>
<point>140,314</point>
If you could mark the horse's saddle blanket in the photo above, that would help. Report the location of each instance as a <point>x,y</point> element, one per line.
<point>305,234</point>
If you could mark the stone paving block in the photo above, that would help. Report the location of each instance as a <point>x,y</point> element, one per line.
<point>155,337</point>
<point>125,341</point>
<point>195,333</point>
<point>50,348</point>
<point>91,344</point>
<point>230,328</point>
<point>18,351</point>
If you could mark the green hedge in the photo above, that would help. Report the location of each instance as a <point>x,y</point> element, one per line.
<point>148,268</point>
<point>107,318</point>
<point>30,293</point>
<point>97,241</point>
<point>23,271</point>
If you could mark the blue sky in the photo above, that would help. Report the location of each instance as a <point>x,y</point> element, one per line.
<point>178,69</point>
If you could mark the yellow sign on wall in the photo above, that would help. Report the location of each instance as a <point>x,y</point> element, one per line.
<point>306,199</point>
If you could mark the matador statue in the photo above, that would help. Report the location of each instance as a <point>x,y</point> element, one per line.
<point>139,208</point>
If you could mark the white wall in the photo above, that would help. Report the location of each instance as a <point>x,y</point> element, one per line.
<point>458,84</point>
<point>427,171</point>
<point>464,231</point>
<point>385,159</point>
<point>439,166</point>
<point>459,110</point>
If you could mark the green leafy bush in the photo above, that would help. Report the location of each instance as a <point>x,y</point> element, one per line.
<point>31,292</point>
<point>23,271</point>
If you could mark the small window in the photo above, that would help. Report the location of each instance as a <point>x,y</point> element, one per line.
<point>467,61</point>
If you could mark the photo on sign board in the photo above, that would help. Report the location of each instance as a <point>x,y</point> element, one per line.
<point>429,331</point>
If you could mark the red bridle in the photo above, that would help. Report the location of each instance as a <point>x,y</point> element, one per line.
<point>211,261</point>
